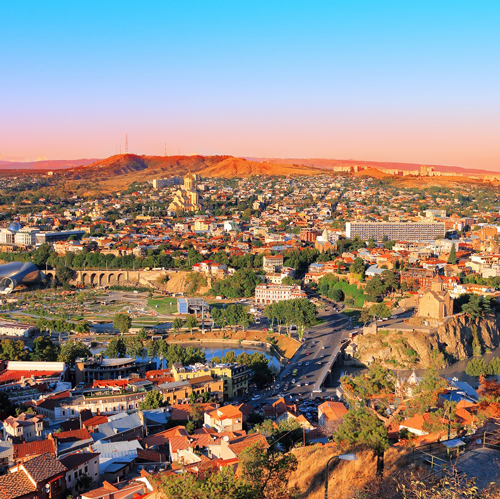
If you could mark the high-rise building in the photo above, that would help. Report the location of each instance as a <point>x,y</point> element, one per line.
<point>396,231</point>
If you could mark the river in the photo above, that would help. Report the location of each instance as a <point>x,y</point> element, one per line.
<point>220,350</point>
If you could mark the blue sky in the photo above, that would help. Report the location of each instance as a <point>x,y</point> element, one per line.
<point>386,81</point>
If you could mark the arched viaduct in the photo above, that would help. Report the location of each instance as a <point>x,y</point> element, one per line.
<point>113,277</point>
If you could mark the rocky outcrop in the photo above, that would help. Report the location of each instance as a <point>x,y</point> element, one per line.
<point>451,341</point>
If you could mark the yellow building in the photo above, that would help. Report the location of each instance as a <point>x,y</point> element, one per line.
<point>187,197</point>
<point>235,377</point>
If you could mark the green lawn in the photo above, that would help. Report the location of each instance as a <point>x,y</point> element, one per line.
<point>353,314</point>
<point>164,306</point>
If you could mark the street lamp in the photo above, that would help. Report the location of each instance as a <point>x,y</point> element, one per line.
<point>344,457</point>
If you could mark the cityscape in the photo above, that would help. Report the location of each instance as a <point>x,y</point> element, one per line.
<point>200,302</point>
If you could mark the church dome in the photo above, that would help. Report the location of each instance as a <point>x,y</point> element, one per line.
<point>15,226</point>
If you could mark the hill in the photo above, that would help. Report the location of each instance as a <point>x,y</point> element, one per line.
<point>119,171</point>
<point>329,164</point>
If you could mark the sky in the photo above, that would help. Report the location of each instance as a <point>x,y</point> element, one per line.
<point>371,80</point>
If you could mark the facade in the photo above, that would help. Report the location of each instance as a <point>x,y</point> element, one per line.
<point>272,263</point>
<point>16,329</point>
<point>186,198</point>
<point>396,231</point>
<point>273,293</point>
<point>24,428</point>
<point>78,465</point>
<point>177,391</point>
<point>226,418</point>
<point>235,377</point>
<point>308,235</point>
<point>189,305</point>
<point>436,303</point>
<point>330,412</point>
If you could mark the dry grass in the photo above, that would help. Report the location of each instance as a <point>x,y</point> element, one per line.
<point>347,479</point>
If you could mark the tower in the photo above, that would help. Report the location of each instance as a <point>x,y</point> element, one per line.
<point>126,143</point>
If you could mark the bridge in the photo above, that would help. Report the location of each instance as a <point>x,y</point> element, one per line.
<point>96,277</point>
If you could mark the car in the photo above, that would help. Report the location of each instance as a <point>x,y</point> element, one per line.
<point>308,353</point>
<point>323,347</point>
<point>278,386</point>
<point>299,364</point>
<point>256,397</point>
<point>306,384</point>
<point>299,384</point>
<point>264,329</point>
<point>293,380</point>
<point>307,363</point>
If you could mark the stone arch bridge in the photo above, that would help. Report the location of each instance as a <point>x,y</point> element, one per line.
<point>95,277</point>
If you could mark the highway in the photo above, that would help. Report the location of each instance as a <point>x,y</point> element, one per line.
<point>312,360</point>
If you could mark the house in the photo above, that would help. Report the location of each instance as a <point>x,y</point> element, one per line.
<point>230,448</point>
<point>121,427</point>
<point>40,477</point>
<point>71,441</point>
<point>134,488</point>
<point>116,458</point>
<point>24,428</point>
<point>416,424</point>
<point>227,418</point>
<point>80,464</point>
<point>331,412</point>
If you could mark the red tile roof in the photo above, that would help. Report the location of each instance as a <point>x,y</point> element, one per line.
<point>32,449</point>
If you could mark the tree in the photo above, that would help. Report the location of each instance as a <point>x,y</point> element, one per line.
<point>134,347</point>
<point>116,348</point>
<point>358,267</point>
<point>44,350</point>
<point>72,351</point>
<point>267,473</point>
<point>476,367</point>
<point>142,334</point>
<point>122,322</point>
<point>337,295</point>
<point>494,366</point>
<point>380,310</point>
<point>12,350</point>
<point>177,325</point>
<point>153,400</point>
<point>191,322</point>
<point>452,258</point>
<point>375,289</point>
<point>64,275</point>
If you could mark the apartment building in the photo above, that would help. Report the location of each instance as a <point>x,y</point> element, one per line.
<point>396,231</point>
<point>227,418</point>
<point>272,263</point>
<point>24,428</point>
<point>235,377</point>
<point>176,391</point>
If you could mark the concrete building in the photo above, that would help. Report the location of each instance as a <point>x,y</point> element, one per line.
<point>90,370</point>
<point>24,428</point>
<point>79,464</point>
<point>177,391</point>
<point>396,231</point>
<point>272,263</point>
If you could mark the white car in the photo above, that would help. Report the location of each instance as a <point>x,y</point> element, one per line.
<point>256,397</point>
<point>307,363</point>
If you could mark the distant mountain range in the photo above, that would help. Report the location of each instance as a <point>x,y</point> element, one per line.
<point>47,164</point>
<point>215,166</point>
<point>328,164</point>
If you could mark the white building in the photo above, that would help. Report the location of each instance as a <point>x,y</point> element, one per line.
<point>273,293</point>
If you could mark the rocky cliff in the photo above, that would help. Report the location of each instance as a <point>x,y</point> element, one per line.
<point>453,340</point>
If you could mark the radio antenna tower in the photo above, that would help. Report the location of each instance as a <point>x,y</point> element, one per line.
<point>126,143</point>
<point>165,148</point>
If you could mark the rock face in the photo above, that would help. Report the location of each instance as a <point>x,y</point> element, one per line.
<point>451,341</point>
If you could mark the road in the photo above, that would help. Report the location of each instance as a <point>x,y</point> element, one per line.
<point>320,343</point>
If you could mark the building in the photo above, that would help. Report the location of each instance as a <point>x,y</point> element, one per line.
<point>177,391</point>
<point>53,237</point>
<point>226,418</point>
<point>396,231</point>
<point>78,465</point>
<point>41,477</point>
<point>235,377</point>
<point>190,305</point>
<point>20,329</point>
<point>24,428</point>
<point>308,235</point>
<point>187,197</point>
<point>436,303</point>
<point>94,369</point>
<point>272,263</point>
<point>273,293</point>
<point>330,412</point>
<point>161,183</point>
<point>421,278</point>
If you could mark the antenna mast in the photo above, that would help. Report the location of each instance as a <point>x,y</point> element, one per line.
<point>126,143</point>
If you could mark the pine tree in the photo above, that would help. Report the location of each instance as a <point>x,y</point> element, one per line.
<point>452,259</point>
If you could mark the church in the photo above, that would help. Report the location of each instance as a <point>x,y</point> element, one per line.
<point>436,302</point>
<point>187,197</point>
